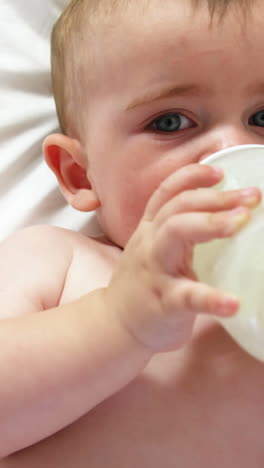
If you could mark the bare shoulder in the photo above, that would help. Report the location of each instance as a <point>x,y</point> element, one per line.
<point>43,266</point>
<point>35,244</point>
<point>34,265</point>
<point>92,266</point>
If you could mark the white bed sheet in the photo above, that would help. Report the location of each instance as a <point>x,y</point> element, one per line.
<point>29,192</point>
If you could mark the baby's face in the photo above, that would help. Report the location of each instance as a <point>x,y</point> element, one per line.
<point>170,90</point>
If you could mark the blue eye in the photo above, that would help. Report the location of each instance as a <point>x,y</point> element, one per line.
<point>257,119</point>
<point>171,122</point>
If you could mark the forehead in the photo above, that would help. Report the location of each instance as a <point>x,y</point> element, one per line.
<point>151,42</point>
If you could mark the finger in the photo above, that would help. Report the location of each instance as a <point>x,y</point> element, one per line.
<point>208,200</point>
<point>186,178</point>
<point>199,298</point>
<point>185,230</point>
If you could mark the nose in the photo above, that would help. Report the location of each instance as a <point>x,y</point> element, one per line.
<point>225,137</point>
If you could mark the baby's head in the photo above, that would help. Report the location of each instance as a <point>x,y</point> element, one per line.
<point>78,39</point>
<point>143,89</point>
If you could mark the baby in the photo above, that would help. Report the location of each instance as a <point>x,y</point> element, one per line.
<point>110,353</point>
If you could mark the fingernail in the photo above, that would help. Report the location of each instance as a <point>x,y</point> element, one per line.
<point>238,218</point>
<point>250,196</point>
<point>218,171</point>
<point>228,306</point>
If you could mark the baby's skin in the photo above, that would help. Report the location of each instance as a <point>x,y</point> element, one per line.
<point>201,405</point>
<point>110,352</point>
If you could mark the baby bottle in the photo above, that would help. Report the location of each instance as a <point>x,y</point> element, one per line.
<point>236,264</point>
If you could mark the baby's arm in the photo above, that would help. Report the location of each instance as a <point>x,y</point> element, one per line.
<point>55,364</point>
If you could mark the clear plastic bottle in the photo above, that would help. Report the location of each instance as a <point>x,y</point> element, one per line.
<point>236,264</point>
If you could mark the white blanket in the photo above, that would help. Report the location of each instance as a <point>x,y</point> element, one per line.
<point>29,192</point>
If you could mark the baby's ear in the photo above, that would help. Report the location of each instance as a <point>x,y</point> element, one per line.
<point>65,158</point>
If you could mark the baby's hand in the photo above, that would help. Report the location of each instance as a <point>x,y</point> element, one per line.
<point>156,293</point>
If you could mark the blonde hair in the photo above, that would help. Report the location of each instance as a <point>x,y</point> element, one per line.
<point>66,52</point>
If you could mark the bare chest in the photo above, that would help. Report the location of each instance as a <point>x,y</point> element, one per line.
<point>202,406</point>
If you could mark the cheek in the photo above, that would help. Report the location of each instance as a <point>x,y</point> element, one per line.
<point>130,197</point>
<point>123,199</point>
<point>122,209</point>
<point>124,204</point>
<point>124,186</point>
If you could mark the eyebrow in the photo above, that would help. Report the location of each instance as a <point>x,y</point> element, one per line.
<point>149,97</point>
